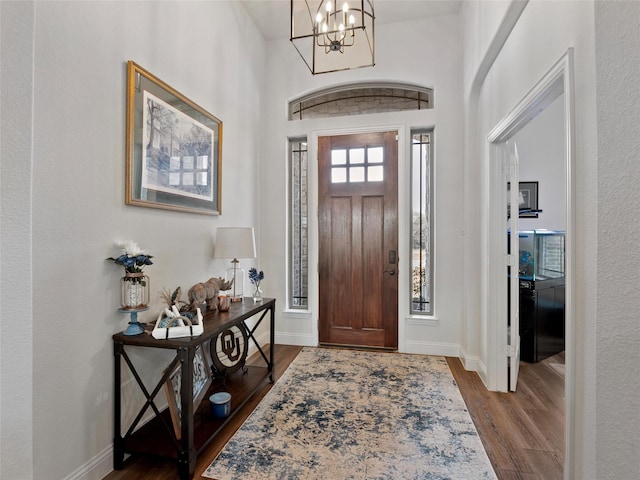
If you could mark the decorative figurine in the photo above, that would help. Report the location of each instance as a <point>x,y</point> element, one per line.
<point>206,292</point>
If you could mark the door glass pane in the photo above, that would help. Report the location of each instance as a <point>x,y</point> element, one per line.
<point>376,174</point>
<point>375,154</point>
<point>356,174</point>
<point>338,175</point>
<point>356,155</point>
<point>338,157</point>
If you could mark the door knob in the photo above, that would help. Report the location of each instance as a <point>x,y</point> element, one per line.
<point>390,272</point>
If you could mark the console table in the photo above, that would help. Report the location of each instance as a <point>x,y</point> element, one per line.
<point>157,437</point>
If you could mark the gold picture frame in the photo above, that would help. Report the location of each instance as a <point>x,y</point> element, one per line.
<point>173,148</point>
<point>202,380</point>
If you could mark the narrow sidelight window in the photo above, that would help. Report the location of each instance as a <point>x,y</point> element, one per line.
<point>421,216</point>
<point>298,224</point>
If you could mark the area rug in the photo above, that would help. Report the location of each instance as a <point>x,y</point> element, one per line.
<point>346,414</point>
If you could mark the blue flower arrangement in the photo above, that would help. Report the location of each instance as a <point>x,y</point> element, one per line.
<point>255,276</point>
<point>133,258</point>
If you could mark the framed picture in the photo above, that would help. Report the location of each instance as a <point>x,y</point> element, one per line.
<point>174,148</point>
<point>527,199</point>
<point>201,382</point>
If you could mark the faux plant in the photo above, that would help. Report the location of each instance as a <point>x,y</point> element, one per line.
<point>255,276</point>
<point>133,258</point>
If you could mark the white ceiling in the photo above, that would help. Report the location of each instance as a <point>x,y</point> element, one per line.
<point>272,16</point>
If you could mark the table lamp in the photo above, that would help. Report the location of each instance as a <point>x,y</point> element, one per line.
<point>235,242</point>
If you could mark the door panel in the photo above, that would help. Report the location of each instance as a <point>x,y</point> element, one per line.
<point>373,262</point>
<point>358,192</point>
<point>341,261</point>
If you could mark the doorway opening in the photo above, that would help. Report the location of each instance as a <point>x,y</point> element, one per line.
<point>556,85</point>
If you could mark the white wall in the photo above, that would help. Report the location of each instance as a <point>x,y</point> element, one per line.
<point>16,310</point>
<point>541,151</point>
<point>485,27</point>
<point>617,346</point>
<point>73,176</point>
<point>429,54</point>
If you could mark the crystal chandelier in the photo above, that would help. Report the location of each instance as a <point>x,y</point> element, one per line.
<point>330,38</point>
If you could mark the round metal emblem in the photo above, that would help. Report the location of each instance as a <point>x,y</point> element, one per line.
<point>229,349</point>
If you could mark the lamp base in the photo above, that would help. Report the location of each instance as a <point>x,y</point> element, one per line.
<point>237,289</point>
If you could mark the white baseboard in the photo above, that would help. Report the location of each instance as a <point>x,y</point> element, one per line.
<point>482,372</point>
<point>469,362</point>
<point>473,363</point>
<point>432,348</point>
<point>299,339</point>
<point>95,469</point>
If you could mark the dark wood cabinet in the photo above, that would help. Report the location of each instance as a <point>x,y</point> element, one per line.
<point>198,427</point>
<point>541,318</point>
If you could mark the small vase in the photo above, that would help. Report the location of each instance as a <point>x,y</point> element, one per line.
<point>224,302</point>
<point>134,291</point>
<point>257,294</point>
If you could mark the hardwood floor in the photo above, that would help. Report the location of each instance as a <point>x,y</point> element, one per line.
<point>522,432</point>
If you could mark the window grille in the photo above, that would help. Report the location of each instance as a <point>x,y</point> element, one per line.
<point>355,165</point>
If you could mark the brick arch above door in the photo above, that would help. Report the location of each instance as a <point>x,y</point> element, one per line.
<point>359,99</point>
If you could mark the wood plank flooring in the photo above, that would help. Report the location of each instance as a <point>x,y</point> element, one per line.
<point>522,432</point>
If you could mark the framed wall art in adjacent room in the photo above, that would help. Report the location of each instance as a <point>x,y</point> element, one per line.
<point>174,148</point>
<point>528,199</point>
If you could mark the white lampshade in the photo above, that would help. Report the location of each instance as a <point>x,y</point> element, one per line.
<point>234,242</point>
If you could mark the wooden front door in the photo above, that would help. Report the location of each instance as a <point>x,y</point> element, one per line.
<point>358,239</point>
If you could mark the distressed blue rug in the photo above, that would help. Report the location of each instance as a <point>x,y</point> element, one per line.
<point>346,414</point>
